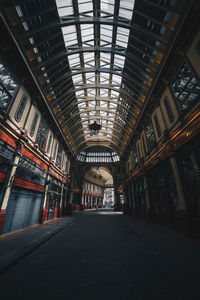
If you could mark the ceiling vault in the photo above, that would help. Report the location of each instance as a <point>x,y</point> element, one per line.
<point>96,61</point>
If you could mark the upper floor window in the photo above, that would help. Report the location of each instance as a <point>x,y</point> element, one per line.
<point>49,143</point>
<point>34,123</point>
<point>168,109</point>
<point>55,149</point>
<point>138,151</point>
<point>144,145</point>
<point>42,134</point>
<point>150,136</point>
<point>59,154</point>
<point>7,86</point>
<point>20,108</point>
<point>157,125</point>
<point>185,87</point>
<point>135,156</point>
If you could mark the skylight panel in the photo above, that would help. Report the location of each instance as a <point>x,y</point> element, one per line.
<point>116,79</point>
<point>87,32</point>
<point>128,4</point>
<point>61,3</point>
<point>89,43</point>
<point>91,92</point>
<point>68,29</point>
<point>88,56</point>
<point>105,57</point>
<point>77,78</point>
<point>85,6</point>
<point>65,11</point>
<point>125,13</point>
<point>108,6</point>
<point>104,92</point>
<point>106,30</point>
<point>123,31</point>
<point>104,78</point>
<point>119,60</point>
<point>74,60</point>
<point>122,37</point>
<point>103,104</point>
<point>91,103</point>
<point>70,35</point>
<point>79,93</point>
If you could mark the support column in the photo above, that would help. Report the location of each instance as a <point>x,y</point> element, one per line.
<point>129,198</point>
<point>183,218</point>
<point>96,202</point>
<point>5,193</point>
<point>132,198</point>
<point>181,196</point>
<point>45,195</point>
<point>147,200</point>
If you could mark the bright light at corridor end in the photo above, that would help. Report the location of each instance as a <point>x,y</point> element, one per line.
<point>109,212</point>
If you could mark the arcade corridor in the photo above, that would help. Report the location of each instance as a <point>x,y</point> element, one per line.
<point>100,108</point>
<point>103,255</point>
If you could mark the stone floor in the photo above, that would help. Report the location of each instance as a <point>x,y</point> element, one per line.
<point>99,255</point>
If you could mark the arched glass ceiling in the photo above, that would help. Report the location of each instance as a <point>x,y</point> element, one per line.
<point>99,175</point>
<point>96,60</point>
<point>96,41</point>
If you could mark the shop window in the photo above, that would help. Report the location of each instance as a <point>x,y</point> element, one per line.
<point>59,154</point>
<point>168,110</point>
<point>186,87</point>
<point>150,136</point>
<point>20,108</point>
<point>49,143</point>
<point>7,86</point>
<point>34,123</point>
<point>42,134</point>
<point>157,125</point>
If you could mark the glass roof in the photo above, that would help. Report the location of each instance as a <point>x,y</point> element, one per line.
<point>96,54</point>
<point>97,61</point>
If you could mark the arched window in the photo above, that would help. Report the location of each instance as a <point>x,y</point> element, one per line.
<point>168,110</point>
<point>20,108</point>
<point>157,125</point>
<point>34,123</point>
<point>150,136</point>
<point>55,149</point>
<point>144,145</point>
<point>42,134</point>
<point>186,87</point>
<point>49,143</point>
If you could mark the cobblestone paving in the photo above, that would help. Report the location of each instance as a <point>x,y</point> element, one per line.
<point>105,255</point>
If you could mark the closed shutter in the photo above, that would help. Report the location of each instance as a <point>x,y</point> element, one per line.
<point>23,209</point>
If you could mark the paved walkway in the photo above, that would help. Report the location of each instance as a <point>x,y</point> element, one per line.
<point>100,255</point>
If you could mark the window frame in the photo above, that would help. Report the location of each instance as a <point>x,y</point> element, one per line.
<point>157,125</point>
<point>169,110</point>
<point>151,146</point>
<point>33,125</point>
<point>59,155</point>
<point>38,140</point>
<point>176,99</point>
<point>20,108</point>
